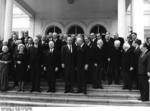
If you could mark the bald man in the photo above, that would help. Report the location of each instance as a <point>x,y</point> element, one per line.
<point>51,66</point>
<point>116,61</point>
<point>127,65</point>
<point>98,61</point>
<point>34,64</point>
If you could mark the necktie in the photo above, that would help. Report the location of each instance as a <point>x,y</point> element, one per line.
<point>70,49</point>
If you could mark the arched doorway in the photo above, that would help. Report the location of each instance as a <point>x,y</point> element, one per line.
<point>75,29</point>
<point>53,29</point>
<point>98,29</point>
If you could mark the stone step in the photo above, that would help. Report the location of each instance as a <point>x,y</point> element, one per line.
<point>96,91</point>
<point>72,100</point>
<point>89,95</point>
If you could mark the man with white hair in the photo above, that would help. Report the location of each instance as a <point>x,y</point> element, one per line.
<point>98,61</point>
<point>127,65</point>
<point>81,64</point>
<point>34,64</point>
<point>116,37</point>
<point>51,66</point>
<point>89,58</point>
<point>116,58</point>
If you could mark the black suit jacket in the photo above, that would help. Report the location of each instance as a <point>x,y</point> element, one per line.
<point>51,59</point>
<point>34,55</point>
<point>127,60</point>
<point>67,57</point>
<point>144,64</point>
<point>98,55</point>
<point>81,56</point>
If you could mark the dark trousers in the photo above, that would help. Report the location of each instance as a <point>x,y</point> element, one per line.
<point>51,79</point>
<point>69,78</point>
<point>116,74</point>
<point>127,81</point>
<point>35,77</point>
<point>89,73</point>
<point>81,79</point>
<point>144,87</point>
<point>135,78</point>
<point>109,72</point>
<point>97,77</point>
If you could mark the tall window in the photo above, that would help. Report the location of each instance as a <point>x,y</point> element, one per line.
<point>98,29</point>
<point>75,29</point>
<point>53,29</point>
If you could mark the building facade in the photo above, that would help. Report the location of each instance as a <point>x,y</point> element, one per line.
<point>79,16</point>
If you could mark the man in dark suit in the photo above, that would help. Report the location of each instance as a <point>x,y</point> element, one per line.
<point>116,37</point>
<point>98,60</point>
<point>108,48</point>
<point>116,61</point>
<point>127,66</point>
<point>68,63</point>
<point>144,72</point>
<point>81,64</point>
<point>58,45</point>
<point>51,66</point>
<point>34,64</point>
<point>89,72</point>
<point>93,39</point>
<point>137,53</point>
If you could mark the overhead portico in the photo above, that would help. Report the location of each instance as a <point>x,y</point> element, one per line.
<point>86,14</point>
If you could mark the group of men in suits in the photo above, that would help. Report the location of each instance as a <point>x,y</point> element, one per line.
<point>82,60</point>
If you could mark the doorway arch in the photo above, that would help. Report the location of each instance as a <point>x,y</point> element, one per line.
<point>98,28</point>
<point>52,29</point>
<point>75,29</point>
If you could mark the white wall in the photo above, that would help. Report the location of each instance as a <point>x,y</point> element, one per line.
<point>109,23</point>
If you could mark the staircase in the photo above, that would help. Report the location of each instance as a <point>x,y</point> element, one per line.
<point>110,95</point>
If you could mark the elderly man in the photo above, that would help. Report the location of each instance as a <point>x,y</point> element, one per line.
<point>116,37</point>
<point>51,66</point>
<point>81,64</point>
<point>98,60</point>
<point>144,72</point>
<point>116,60</point>
<point>127,65</point>
<point>68,63</point>
<point>137,52</point>
<point>34,63</point>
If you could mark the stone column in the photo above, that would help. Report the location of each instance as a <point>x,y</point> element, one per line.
<point>122,18</point>
<point>8,19</point>
<point>138,18</point>
<point>2,18</point>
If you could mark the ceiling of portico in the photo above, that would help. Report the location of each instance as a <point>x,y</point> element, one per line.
<point>80,8</point>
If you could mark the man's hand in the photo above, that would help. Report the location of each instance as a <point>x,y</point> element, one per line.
<point>108,59</point>
<point>95,65</point>
<point>86,67</point>
<point>148,73</point>
<point>44,68</point>
<point>131,68</point>
<point>56,69</point>
<point>63,65</point>
<point>28,66</point>
<point>18,62</point>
